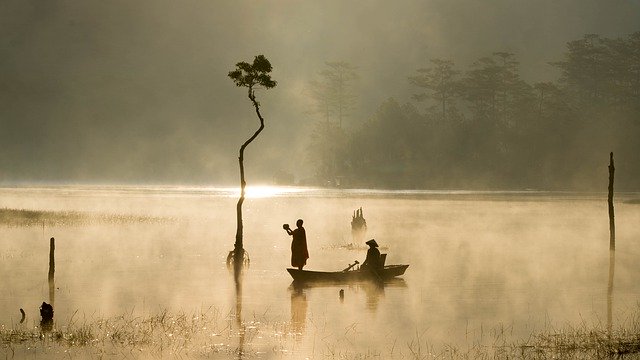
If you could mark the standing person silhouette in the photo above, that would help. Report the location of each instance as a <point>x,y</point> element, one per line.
<point>299,252</point>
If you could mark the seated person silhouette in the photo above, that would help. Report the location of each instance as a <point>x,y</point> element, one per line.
<point>373,262</point>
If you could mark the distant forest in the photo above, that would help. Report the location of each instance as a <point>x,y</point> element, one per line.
<point>484,127</point>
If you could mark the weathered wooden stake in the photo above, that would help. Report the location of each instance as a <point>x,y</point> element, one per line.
<point>46,310</point>
<point>52,258</point>
<point>52,270</point>
<point>612,222</point>
<point>612,246</point>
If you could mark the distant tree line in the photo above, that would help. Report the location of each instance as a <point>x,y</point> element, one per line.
<point>485,127</point>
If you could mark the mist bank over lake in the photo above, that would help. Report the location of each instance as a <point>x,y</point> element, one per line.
<point>138,93</point>
<point>479,262</point>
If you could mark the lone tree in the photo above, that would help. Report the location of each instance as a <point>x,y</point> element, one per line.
<point>252,76</point>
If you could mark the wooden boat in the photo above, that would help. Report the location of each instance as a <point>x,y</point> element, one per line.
<point>388,272</point>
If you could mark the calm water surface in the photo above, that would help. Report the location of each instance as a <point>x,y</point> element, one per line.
<point>479,262</point>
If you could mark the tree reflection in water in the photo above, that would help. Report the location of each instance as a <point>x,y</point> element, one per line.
<point>612,268</point>
<point>237,277</point>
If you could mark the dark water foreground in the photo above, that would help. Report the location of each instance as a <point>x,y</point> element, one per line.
<point>488,272</point>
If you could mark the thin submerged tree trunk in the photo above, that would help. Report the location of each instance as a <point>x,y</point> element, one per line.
<point>238,246</point>
<point>249,76</point>
<point>612,222</point>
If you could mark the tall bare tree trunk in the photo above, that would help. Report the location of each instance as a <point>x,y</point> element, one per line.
<point>238,246</point>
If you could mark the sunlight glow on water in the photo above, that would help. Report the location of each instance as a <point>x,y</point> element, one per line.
<point>266,191</point>
<point>269,191</point>
<point>474,262</point>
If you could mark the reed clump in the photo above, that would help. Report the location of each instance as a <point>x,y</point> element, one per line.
<point>585,342</point>
<point>596,341</point>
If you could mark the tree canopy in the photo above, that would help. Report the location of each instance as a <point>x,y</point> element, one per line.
<point>486,127</point>
<point>252,75</point>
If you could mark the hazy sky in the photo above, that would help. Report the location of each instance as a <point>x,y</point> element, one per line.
<point>137,91</point>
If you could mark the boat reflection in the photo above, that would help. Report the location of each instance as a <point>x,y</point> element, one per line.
<point>298,310</point>
<point>300,295</point>
<point>374,291</point>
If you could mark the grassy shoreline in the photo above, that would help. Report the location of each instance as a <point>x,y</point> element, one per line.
<point>213,334</point>
<point>26,218</point>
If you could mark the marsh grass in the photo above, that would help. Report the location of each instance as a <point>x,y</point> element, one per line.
<point>162,334</point>
<point>213,334</point>
<point>206,334</point>
<point>22,217</point>
<point>586,342</point>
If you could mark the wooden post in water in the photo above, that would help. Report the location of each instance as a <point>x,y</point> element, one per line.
<point>46,310</point>
<point>52,270</point>
<point>612,222</point>
<point>612,247</point>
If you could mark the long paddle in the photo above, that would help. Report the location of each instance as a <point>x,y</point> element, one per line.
<point>352,265</point>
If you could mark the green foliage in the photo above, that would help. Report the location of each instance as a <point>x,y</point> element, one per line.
<point>252,75</point>
<point>485,127</point>
<point>440,84</point>
<point>600,71</point>
<point>332,93</point>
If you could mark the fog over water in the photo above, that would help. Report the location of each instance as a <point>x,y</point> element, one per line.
<point>479,262</point>
<point>120,91</point>
<point>120,130</point>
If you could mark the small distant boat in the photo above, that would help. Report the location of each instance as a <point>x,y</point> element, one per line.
<point>347,275</point>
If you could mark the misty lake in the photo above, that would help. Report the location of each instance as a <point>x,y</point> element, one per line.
<point>481,264</point>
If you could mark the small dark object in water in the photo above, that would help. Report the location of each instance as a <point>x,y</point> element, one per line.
<point>23,315</point>
<point>358,226</point>
<point>46,312</point>
<point>341,294</point>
